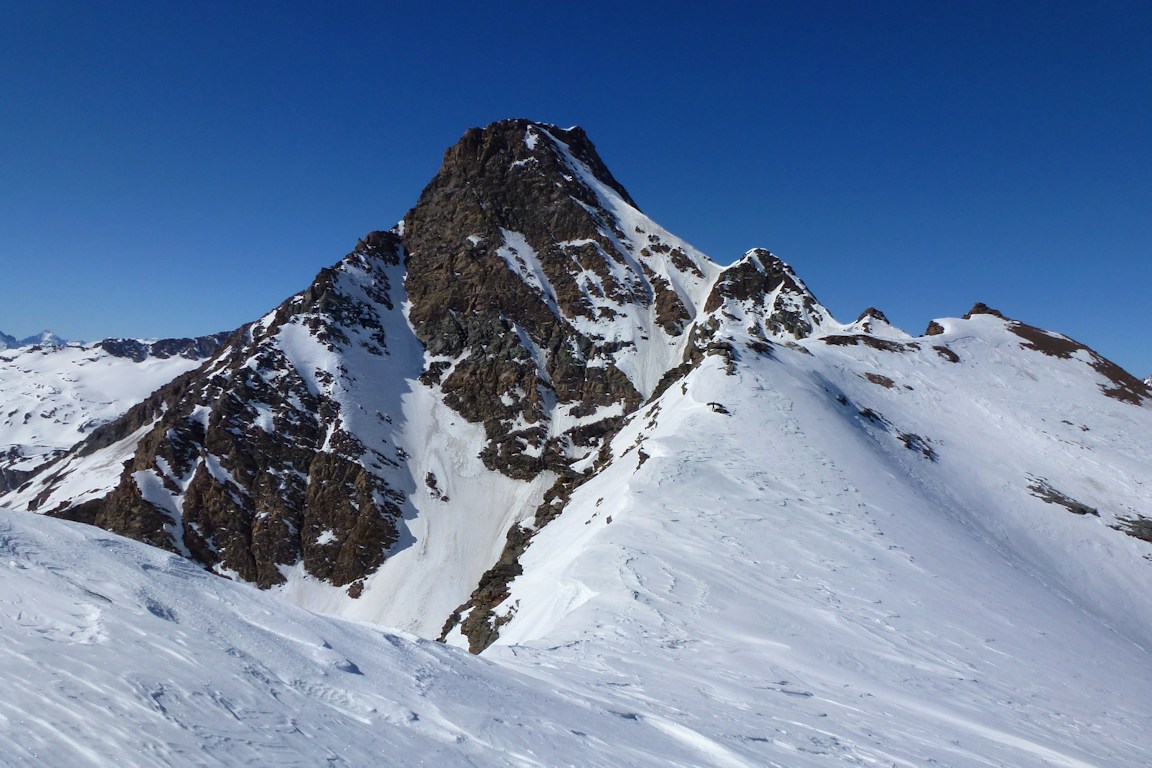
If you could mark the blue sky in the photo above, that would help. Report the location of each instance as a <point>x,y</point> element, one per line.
<point>174,168</point>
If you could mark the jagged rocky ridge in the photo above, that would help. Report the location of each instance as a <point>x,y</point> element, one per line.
<point>548,306</point>
<point>524,292</point>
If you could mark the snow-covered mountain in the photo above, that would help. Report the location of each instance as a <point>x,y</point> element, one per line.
<point>44,338</point>
<point>55,394</point>
<point>531,422</point>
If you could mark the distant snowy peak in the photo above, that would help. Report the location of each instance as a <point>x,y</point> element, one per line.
<point>44,338</point>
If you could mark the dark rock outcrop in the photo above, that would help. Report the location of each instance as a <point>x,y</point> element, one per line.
<point>511,248</point>
<point>980,308</point>
<point>247,464</point>
<point>768,289</point>
<point>197,348</point>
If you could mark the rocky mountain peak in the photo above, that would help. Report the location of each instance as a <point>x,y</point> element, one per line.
<point>980,308</point>
<point>405,427</point>
<point>494,151</point>
<point>872,314</point>
<point>873,322</point>
<point>541,289</point>
<point>762,289</point>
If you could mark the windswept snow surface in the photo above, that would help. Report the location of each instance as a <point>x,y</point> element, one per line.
<point>774,587</point>
<point>117,654</point>
<point>789,585</point>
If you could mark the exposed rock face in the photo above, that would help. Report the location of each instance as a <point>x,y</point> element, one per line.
<point>139,351</point>
<point>768,291</point>
<point>528,288</point>
<point>980,308</point>
<point>543,295</point>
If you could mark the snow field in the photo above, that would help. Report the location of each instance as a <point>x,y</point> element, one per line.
<point>784,587</point>
<point>119,654</point>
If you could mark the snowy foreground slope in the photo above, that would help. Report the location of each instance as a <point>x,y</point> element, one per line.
<point>116,653</point>
<point>768,588</point>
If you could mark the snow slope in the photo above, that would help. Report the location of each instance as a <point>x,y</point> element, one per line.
<point>789,585</point>
<point>767,588</point>
<point>118,654</point>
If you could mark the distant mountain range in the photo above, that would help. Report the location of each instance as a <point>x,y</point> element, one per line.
<point>530,422</point>
<point>44,338</point>
<point>55,392</point>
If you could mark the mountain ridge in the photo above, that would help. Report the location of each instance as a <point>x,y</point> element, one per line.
<point>45,338</point>
<point>530,422</point>
<point>528,292</point>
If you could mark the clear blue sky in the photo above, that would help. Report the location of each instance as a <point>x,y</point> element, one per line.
<point>177,168</point>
